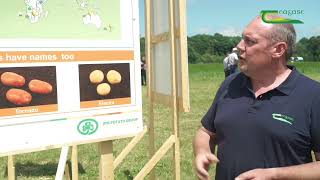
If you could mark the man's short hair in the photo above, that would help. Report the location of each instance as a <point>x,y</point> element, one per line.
<point>283,33</point>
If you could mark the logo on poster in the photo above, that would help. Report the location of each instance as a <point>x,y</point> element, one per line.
<point>281,20</point>
<point>87,126</point>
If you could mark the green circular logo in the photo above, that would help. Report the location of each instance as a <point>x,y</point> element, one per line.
<point>87,126</point>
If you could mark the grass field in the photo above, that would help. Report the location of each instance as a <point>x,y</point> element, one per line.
<point>204,81</point>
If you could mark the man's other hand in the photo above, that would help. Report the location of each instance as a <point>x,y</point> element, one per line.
<point>258,174</point>
<point>202,163</point>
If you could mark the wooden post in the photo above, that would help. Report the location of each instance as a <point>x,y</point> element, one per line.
<point>173,49</point>
<point>74,163</point>
<point>106,160</point>
<point>182,36</point>
<point>67,172</point>
<point>11,168</point>
<point>148,37</point>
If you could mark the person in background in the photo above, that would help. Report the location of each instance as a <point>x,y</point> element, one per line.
<point>233,61</point>
<point>265,120</point>
<point>143,71</point>
<point>226,66</point>
<point>230,63</point>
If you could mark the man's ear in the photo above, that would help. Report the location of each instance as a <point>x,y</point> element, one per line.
<point>279,49</point>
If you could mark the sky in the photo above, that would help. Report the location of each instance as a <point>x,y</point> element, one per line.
<point>229,17</point>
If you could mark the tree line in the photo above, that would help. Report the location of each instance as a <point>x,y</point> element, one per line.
<point>308,48</point>
<point>205,48</point>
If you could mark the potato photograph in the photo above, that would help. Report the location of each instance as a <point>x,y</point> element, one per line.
<point>27,86</point>
<point>104,81</point>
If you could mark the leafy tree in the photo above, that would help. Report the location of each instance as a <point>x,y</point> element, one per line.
<point>309,49</point>
<point>193,55</point>
<point>205,48</point>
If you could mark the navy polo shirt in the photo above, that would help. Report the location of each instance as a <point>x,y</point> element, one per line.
<point>278,128</point>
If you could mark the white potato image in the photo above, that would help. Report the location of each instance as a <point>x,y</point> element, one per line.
<point>103,89</point>
<point>96,76</point>
<point>114,77</point>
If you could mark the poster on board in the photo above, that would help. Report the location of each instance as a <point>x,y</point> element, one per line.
<point>70,73</point>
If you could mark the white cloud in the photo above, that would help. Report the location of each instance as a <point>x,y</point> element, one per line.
<point>204,30</point>
<point>316,31</point>
<point>231,31</point>
<point>228,31</point>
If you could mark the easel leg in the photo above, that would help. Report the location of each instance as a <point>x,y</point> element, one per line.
<point>67,172</point>
<point>11,168</point>
<point>62,162</point>
<point>74,163</point>
<point>106,160</point>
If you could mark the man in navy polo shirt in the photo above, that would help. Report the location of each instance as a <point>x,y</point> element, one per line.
<point>266,119</point>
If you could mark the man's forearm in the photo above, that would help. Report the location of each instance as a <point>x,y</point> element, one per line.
<point>309,171</point>
<point>201,142</point>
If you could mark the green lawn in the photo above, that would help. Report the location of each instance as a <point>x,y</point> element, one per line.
<point>204,81</point>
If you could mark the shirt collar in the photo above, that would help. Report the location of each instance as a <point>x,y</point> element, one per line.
<point>290,83</point>
<point>285,87</point>
<point>246,83</point>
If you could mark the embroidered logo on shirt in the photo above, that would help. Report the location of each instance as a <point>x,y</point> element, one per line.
<point>283,118</point>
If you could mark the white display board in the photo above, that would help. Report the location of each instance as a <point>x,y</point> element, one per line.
<point>48,49</point>
<point>161,53</point>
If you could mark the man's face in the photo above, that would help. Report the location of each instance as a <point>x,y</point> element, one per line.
<point>255,48</point>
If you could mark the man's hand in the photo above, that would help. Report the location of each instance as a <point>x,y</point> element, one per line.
<point>258,174</point>
<point>202,163</point>
<point>202,151</point>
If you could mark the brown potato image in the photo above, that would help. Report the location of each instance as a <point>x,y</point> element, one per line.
<point>40,87</point>
<point>12,79</point>
<point>103,89</point>
<point>46,74</point>
<point>114,77</point>
<point>18,97</point>
<point>96,76</point>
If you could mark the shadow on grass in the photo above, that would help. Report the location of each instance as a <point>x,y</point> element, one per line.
<point>31,169</point>
<point>128,174</point>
